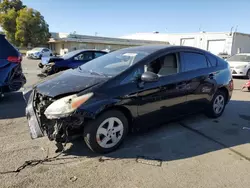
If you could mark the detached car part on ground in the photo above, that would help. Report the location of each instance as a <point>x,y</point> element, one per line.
<point>52,65</point>
<point>246,85</point>
<point>11,75</point>
<point>128,89</point>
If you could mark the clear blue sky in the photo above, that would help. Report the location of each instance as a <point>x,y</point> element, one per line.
<point>117,18</point>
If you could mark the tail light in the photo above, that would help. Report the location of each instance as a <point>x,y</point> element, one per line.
<point>15,59</point>
<point>231,85</point>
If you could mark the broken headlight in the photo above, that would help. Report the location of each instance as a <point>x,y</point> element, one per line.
<point>66,105</point>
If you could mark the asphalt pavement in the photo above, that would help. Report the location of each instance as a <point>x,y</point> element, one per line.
<point>192,152</point>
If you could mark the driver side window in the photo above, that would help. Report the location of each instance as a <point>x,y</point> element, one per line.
<point>164,65</point>
<point>86,56</point>
<point>134,75</point>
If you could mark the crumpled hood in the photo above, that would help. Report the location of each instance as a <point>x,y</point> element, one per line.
<point>70,81</point>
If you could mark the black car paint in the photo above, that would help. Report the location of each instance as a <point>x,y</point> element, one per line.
<point>148,104</point>
<point>144,104</point>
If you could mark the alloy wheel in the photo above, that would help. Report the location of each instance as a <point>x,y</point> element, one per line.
<point>218,104</point>
<point>110,132</point>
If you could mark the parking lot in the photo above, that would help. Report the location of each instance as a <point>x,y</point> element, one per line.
<point>192,152</point>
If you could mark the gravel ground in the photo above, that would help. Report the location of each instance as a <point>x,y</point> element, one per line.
<point>193,152</point>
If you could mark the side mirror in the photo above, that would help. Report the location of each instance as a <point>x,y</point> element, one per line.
<point>149,77</point>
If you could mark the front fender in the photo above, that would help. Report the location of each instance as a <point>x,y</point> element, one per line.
<point>94,107</point>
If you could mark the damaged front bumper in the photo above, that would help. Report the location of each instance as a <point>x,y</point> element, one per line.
<point>60,130</point>
<point>34,124</point>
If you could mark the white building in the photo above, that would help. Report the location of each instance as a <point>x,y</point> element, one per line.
<point>222,42</point>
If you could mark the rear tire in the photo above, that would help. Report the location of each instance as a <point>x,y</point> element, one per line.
<point>217,106</point>
<point>103,136</point>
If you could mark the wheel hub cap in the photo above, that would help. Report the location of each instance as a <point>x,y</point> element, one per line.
<point>110,132</point>
<point>218,104</point>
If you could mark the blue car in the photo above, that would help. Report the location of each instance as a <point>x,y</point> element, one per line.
<point>71,60</point>
<point>11,74</point>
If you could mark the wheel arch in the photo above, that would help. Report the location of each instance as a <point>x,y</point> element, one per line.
<point>225,90</point>
<point>122,109</point>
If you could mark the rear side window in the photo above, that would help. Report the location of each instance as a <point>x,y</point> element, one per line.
<point>98,54</point>
<point>6,49</point>
<point>193,61</point>
<point>221,62</point>
<point>212,59</point>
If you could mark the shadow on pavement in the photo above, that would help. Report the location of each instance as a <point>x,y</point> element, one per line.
<point>12,105</point>
<point>189,137</point>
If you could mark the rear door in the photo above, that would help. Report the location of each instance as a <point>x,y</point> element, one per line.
<point>200,78</point>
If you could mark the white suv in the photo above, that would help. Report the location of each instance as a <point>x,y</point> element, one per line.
<point>38,53</point>
<point>240,64</point>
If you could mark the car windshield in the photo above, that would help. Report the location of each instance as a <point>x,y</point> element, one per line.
<point>244,58</point>
<point>114,63</point>
<point>37,49</point>
<point>70,54</point>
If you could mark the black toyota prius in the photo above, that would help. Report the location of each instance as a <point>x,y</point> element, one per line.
<point>128,89</point>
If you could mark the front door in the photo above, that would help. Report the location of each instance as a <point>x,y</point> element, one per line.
<point>165,99</point>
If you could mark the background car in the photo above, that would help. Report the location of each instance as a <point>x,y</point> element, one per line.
<point>240,64</point>
<point>38,53</point>
<point>72,59</point>
<point>11,75</point>
<point>128,89</point>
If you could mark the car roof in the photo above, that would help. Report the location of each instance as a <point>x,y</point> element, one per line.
<point>83,50</point>
<point>155,48</point>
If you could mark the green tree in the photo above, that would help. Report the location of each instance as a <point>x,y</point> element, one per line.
<point>8,23</point>
<point>23,25</point>
<point>11,4</point>
<point>31,28</point>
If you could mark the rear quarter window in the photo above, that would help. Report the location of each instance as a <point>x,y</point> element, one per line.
<point>212,59</point>
<point>6,49</point>
<point>221,62</point>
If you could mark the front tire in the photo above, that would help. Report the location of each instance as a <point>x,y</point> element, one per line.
<point>217,105</point>
<point>105,133</point>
